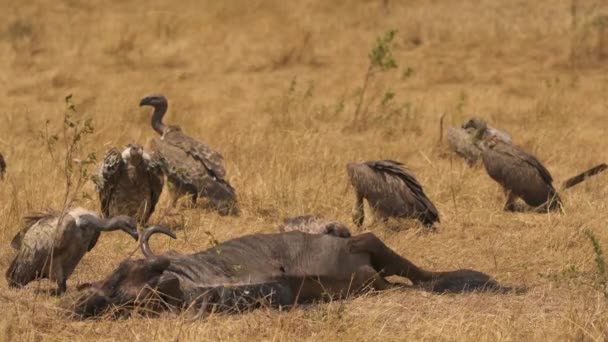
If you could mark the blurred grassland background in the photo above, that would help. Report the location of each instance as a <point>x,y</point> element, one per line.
<point>273,85</point>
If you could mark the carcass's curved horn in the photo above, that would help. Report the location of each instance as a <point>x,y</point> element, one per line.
<point>145,248</point>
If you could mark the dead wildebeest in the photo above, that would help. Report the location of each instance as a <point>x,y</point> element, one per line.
<point>280,269</point>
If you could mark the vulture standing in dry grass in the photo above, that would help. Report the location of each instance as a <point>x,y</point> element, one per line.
<point>521,174</point>
<point>391,190</point>
<point>128,183</point>
<point>314,225</point>
<point>2,166</point>
<point>461,139</point>
<point>191,167</point>
<point>48,248</point>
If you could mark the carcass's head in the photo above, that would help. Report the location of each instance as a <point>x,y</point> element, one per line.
<point>134,284</point>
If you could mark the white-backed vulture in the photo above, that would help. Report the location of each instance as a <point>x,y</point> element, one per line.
<point>190,166</point>
<point>128,183</point>
<point>391,190</point>
<point>314,225</point>
<point>49,246</point>
<point>521,174</point>
<point>462,139</point>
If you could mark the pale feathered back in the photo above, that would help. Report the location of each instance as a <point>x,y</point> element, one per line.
<point>50,246</point>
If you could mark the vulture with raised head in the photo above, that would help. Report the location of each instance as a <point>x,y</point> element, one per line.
<point>391,190</point>
<point>128,183</point>
<point>191,167</point>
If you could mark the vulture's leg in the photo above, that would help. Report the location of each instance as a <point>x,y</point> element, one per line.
<point>388,263</point>
<point>61,281</point>
<point>358,213</point>
<point>174,196</point>
<point>510,205</point>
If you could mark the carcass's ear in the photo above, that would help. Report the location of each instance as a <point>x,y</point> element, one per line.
<point>169,289</point>
<point>158,264</point>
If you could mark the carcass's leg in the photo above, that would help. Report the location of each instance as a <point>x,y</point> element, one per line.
<point>385,260</point>
<point>388,263</point>
<point>370,278</point>
<point>358,210</point>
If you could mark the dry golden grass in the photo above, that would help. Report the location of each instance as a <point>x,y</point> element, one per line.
<point>226,68</point>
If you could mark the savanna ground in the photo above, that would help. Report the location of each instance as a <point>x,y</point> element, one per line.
<point>273,85</point>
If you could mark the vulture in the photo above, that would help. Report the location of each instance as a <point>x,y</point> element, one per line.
<point>51,246</point>
<point>391,190</point>
<point>191,167</point>
<point>521,174</point>
<point>462,139</point>
<point>128,183</point>
<point>2,166</point>
<point>314,225</point>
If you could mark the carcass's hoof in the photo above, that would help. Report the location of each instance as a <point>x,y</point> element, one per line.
<point>462,281</point>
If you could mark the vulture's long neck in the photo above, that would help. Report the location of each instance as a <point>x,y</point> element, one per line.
<point>157,117</point>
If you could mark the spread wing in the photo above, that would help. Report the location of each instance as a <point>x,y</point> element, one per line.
<point>211,159</point>
<point>107,177</point>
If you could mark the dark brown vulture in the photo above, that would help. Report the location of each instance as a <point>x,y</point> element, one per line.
<point>391,190</point>
<point>190,166</point>
<point>51,249</point>
<point>128,183</point>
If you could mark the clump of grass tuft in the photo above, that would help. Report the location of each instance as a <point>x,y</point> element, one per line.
<point>74,167</point>
<point>600,262</point>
